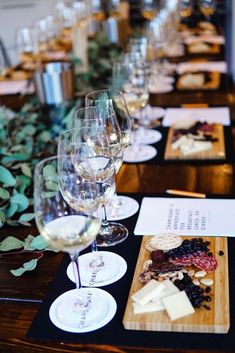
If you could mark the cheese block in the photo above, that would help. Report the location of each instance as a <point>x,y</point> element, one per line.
<point>147,308</point>
<point>149,291</point>
<point>169,289</point>
<point>178,305</point>
<point>197,146</point>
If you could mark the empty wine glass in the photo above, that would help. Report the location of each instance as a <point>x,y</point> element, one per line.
<point>80,309</point>
<point>120,206</point>
<point>108,154</point>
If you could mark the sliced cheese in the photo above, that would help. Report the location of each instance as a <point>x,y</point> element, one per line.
<point>197,146</point>
<point>178,305</point>
<point>169,289</point>
<point>147,308</point>
<point>148,292</point>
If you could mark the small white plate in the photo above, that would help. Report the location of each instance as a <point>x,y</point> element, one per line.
<point>139,153</point>
<point>146,136</point>
<point>163,89</point>
<point>100,311</point>
<point>114,268</point>
<point>121,207</point>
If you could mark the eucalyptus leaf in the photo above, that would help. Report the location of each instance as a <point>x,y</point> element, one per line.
<point>11,243</point>
<point>45,136</point>
<point>38,243</point>
<point>15,157</point>
<point>11,210</point>
<point>12,223</point>
<point>23,182</point>
<point>27,266</point>
<point>48,194</point>
<point>29,129</point>
<point>21,201</point>
<point>26,170</point>
<point>49,171</point>
<point>26,217</point>
<point>4,194</point>
<point>6,177</point>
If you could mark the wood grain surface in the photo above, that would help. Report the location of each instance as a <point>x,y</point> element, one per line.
<point>215,320</point>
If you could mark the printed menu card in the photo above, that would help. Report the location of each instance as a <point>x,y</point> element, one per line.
<point>192,217</point>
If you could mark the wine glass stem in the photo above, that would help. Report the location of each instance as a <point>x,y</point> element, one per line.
<point>104,220</point>
<point>74,258</point>
<point>94,246</point>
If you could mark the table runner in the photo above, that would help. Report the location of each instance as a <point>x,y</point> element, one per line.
<point>114,333</point>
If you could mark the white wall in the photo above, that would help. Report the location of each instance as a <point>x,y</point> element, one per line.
<point>15,14</point>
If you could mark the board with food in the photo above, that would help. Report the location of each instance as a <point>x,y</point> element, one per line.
<point>195,140</point>
<point>180,284</point>
<point>198,81</point>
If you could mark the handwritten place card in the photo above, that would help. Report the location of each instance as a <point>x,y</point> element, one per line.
<point>192,217</point>
<point>219,115</point>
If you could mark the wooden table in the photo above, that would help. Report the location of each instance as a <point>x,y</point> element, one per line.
<point>20,297</point>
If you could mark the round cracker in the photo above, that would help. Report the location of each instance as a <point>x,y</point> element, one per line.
<point>164,241</point>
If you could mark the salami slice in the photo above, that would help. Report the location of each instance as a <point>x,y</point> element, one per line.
<point>199,259</point>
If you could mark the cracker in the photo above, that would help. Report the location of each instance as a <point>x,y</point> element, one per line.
<point>165,242</point>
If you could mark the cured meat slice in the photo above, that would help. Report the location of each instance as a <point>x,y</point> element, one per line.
<point>198,259</point>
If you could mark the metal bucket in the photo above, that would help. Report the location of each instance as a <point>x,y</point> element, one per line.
<point>54,83</point>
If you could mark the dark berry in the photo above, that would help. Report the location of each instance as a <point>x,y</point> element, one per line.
<point>207,289</point>
<point>206,307</point>
<point>221,253</point>
<point>207,298</point>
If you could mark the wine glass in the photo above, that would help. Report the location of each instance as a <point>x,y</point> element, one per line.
<point>71,231</point>
<point>207,8</point>
<point>130,77</point>
<point>74,148</point>
<point>149,9</point>
<point>120,206</point>
<point>102,122</point>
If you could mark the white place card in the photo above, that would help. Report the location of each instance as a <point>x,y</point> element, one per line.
<point>209,66</point>
<point>192,217</point>
<point>218,115</point>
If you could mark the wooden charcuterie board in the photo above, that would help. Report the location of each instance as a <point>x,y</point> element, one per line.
<point>216,152</point>
<point>216,320</point>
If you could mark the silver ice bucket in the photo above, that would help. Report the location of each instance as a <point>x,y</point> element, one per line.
<point>54,83</point>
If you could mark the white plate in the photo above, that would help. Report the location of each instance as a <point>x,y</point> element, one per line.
<point>99,312</point>
<point>146,136</point>
<point>163,89</point>
<point>140,153</point>
<point>121,207</point>
<point>114,268</point>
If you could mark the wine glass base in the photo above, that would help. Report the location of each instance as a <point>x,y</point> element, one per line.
<point>68,313</point>
<point>121,207</point>
<point>111,235</point>
<point>139,153</point>
<point>114,267</point>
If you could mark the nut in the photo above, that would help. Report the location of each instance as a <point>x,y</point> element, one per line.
<point>200,274</point>
<point>207,281</point>
<point>191,273</point>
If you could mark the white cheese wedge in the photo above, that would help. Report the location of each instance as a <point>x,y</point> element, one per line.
<point>178,305</point>
<point>178,142</point>
<point>169,289</point>
<point>147,308</point>
<point>149,291</point>
<point>197,146</point>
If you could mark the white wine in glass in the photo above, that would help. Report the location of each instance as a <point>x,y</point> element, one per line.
<point>71,231</point>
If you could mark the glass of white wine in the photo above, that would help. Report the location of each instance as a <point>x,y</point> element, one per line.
<point>120,206</point>
<point>130,77</point>
<point>207,8</point>
<point>98,127</point>
<point>71,230</point>
<point>98,268</point>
